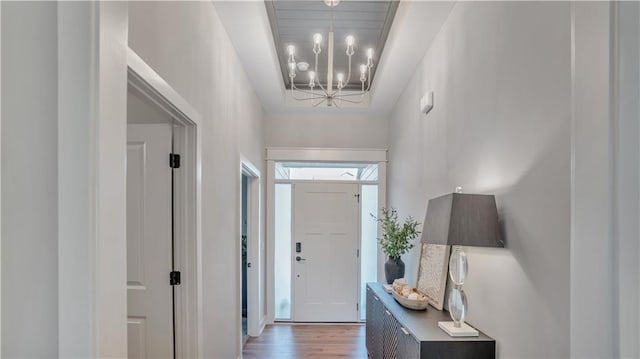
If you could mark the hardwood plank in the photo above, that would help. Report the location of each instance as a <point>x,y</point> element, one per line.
<point>307,341</point>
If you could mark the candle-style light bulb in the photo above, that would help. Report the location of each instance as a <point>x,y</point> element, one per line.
<point>317,39</point>
<point>363,69</point>
<point>369,53</point>
<point>291,50</point>
<point>350,40</point>
<point>340,80</point>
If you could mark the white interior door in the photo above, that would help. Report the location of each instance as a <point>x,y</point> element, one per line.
<point>326,224</point>
<point>149,252</point>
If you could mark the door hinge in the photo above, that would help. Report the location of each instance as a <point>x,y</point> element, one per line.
<point>357,196</point>
<point>357,253</point>
<point>357,307</point>
<point>174,278</point>
<point>174,160</point>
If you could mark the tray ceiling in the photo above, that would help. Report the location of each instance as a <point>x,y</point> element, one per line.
<point>295,22</point>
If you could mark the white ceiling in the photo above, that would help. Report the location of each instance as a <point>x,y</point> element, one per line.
<point>416,24</point>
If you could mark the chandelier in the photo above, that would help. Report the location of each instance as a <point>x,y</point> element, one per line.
<point>317,93</point>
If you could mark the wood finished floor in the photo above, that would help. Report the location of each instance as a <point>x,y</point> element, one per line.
<point>307,341</point>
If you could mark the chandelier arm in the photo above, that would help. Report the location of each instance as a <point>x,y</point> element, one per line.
<point>306,98</point>
<point>352,94</point>
<point>315,96</point>
<point>309,92</point>
<point>348,72</point>
<point>361,93</point>
<point>352,101</point>
<point>319,103</point>
<point>322,87</point>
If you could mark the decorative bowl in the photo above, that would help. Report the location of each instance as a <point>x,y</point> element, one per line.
<point>409,303</point>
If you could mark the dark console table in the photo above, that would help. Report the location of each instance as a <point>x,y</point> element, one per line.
<point>396,332</point>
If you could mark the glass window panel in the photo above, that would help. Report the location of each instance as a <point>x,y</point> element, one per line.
<point>368,243</point>
<point>337,171</point>
<point>282,262</point>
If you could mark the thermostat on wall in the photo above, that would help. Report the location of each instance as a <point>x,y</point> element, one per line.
<point>426,102</point>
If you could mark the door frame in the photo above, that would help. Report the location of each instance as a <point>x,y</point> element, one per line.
<point>308,154</point>
<point>255,250</point>
<point>142,79</point>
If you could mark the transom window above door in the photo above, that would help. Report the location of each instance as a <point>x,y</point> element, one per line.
<point>326,171</point>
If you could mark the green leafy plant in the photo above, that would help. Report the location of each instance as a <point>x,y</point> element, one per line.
<point>396,238</point>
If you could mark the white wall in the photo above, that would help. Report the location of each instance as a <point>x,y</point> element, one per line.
<point>627,167</point>
<point>187,45</point>
<point>29,183</point>
<point>63,260</point>
<point>75,244</point>
<point>326,130</point>
<point>592,285</point>
<point>501,73</point>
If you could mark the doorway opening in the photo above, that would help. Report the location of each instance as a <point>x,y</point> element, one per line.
<point>150,231</point>
<point>325,240</point>
<point>252,253</point>
<point>162,218</point>
<point>245,263</point>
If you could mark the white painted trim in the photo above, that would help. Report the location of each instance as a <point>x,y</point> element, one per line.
<point>382,203</point>
<point>145,76</point>
<point>326,154</point>
<point>278,181</point>
<point>255,317</point>
<point>92,91</point>
<point>188,196</point>
<point>270,234</point>
<point>0,183</point>
<point>247,168</point>
<point>107,187</point>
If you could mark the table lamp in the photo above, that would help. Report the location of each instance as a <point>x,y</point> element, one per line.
<point>459,220</point>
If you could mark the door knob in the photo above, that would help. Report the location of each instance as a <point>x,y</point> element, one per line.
<point>298,258</point>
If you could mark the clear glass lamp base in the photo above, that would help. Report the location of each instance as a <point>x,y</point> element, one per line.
<point>458,268</point>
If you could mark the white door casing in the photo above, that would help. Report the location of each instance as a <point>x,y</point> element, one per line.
<point>255,250</point>
<point>326,223</point>
<point>149,252</point>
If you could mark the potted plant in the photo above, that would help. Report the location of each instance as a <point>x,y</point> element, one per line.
<point>396,241</point>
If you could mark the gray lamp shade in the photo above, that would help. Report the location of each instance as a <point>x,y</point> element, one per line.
<point>462,219</point>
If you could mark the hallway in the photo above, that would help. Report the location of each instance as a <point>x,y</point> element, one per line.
<point>117,241</point>
<point>307,341</point>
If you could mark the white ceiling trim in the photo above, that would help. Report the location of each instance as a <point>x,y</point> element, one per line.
<point>326,154</point>
<point>414,28</point>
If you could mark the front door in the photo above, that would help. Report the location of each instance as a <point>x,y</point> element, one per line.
<point>149,249</point>
<point>325,252</point>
